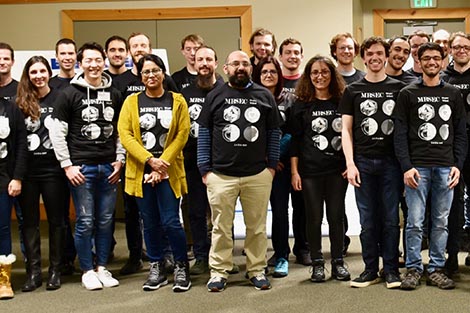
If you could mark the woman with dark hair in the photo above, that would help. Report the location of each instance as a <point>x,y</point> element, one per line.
<point>44,177</point>
<point>154,127</point>
<point>318,164</point>
<point>268,73</point>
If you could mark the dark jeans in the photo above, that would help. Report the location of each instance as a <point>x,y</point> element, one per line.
<point>377,200</point>
<point>6,203</point>
<point>298,224</point>
<point>456,219</point>
<point>331,191</point>
<point>279,200</point>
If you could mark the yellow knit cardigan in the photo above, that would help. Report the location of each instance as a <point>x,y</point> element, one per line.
<point>131,139</point>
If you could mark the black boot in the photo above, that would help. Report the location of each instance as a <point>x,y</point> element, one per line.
<point>338,271</point>
<point>56,251</point>
<point>32,245</point>
<point>318,271</point>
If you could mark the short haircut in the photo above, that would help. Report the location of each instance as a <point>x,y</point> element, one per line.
<point>418,33</point>
<point>152,58</point>
<point>113,38</point>
<point>395,38</point>
<point>338,37</point>
<point>194,38</point>
<point>90,46</point>
<point>290,41</point>
<point>458,34</point>
<point>132,35</point>
<point>65,41</point>
<point>256,76</point>
<point>439,30</point>
<point>368,42</point>
<point>208,47</point>
<point>263,32</point>
<point>5,46</point>
<point>430,46</point>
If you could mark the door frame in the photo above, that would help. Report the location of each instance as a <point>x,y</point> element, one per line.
<point>380,16</point>
<point>68,17</point>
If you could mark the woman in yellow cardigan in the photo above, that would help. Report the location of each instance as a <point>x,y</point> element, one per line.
<point>153,127</point>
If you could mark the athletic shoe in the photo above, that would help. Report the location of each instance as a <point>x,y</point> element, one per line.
<point>411,280</point>
<point>439,278</point>
<point>106,278</point>
<point>365,279</point>
<point>200,267</point>
<point>281,269</point>
<point>318,272</point>
<point>182,279</point>
<point>91,281</point>
<point>392,280</point>
<point>131,267</point>
<point>261,282</point>
<point>216,284</point>
<point>156,278</point>
<point>339,271</point>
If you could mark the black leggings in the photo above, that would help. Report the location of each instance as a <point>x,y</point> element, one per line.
<point>331,190</point>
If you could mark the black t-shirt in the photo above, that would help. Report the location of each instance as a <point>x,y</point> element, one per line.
<point>358,75</point>
<point>9,91</point>
<point>183,78</point>
<point>371,105</point>
<point>154,118</point>
<point>59,83</point>
<point>42,162</point>
<point>128,83</point>
<point>412,72</point>
<point>239,120</point>
<point>195,98</point>
<point>460,81</point>
<point>316,132</point>
<point>289,85</point>
<point>405,77</point>
<point>432,115</point>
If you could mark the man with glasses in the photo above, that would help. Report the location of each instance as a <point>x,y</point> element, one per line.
<point>344,48</point>
<point>415,40</point>
<point>431,145</point>
<point>367,139</point>
<point>238,151</point>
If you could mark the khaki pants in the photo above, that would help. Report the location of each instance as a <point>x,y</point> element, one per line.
<point>254,192</point>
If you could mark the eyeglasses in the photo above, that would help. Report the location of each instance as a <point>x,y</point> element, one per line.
<point>458,48</point>
<point>237,64</point>
<point>427,59</point>
<point>154,72</point>
<point>266,72</point>
<point>343,48</point>
<point>323,73</point>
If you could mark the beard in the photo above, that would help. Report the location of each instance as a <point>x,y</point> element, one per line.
<point>205,81</point>
<point>241,82</point>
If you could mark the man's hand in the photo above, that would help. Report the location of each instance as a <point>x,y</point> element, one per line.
<point>74,175</point>
<point>296,182</point>
<point>454,177</point>
<point>204,178</point>
<point>152,178</point>
<point>272,171</point>
<point>354,178</point>
<point>116,174</point>
<point>158,165</point>
<point>280,166</point>
<point>411,178</point>
<point>14,187</point>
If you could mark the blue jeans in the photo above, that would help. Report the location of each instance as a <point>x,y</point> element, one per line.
<point>6,203</point>
<point>434,180</point>
<point>159,209</point>
<point>377,200</point>
<point>94,202</point>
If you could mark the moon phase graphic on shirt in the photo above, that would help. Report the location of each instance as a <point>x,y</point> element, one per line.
<point>427,131</point>
<point>47,144</point>
<point>108,114</point>
<point>3,150</point>
<point>445,112</point>
<point>149,140</point>
<point>108,130</point>
<point>252,115</point>
<point>194,111</point>
<point>320,142</point>
<point>387,127</point>
<point>91,131</point>
<point>4,127</point>
<point>90,114</point>
<point>388,106</point>
<point>33,142</point>
<point>337,124</point>
<point>165,121</point>
<point>48,122</point>
<point>336,143</point>
<point>32,126</point>
<point>161,140</point>
<point>147,121</point>
<point>319,125</point>
<point>426,112</point>
<point>444,131</point>
<point>368,107</point>
<point>194,130</point>
<point>230,133</point>
<point>369,126</point>
<point>251,133</point>
<point>232,114</point>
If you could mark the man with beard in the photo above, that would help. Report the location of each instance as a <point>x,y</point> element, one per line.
<point>441,37</point>
<point>399,53</point>
<point>116,49</point>
<point>262,43</point>
<point>431,150</point>
<point>367,139</point>
<point>458,74</point>
<point>187,75</point>
<point>195,95</point>
<point>237,158</point>
<point>344,48</point>
<point>416,40</point>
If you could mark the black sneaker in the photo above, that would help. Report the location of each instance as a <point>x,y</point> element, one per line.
<point>365,279</point>
<point>272,261</point>
<point>216,284</point>
<point>392,280</point>
<point>347,241</point>
<point>411,280</point>
<point>439,278</point>
<point>199,267</point>
<point>131,267</point>
<point>261,282</point>
<point>467,260</point>
<point>156,278</point>
<point>339,271</point>
<point>318,272</point>
<point>182,279</point>
<point>304,259</point>
<point>67,268</point>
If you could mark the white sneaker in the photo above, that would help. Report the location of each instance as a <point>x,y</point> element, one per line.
<point>106,278</point>
<point>91,281</point>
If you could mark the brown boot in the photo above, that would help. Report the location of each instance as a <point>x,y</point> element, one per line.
<point>5,274</point>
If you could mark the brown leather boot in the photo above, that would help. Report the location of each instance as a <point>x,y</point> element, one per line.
<point>6,292</point>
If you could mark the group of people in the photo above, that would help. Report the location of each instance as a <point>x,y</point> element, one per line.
<point>270,131</point>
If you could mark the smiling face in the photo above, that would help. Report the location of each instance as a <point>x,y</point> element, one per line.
<point>38,75</point>
<point>92,65</point>
<point>399,53</point>
<point>345,52</point>
<point>66,56</point>
<point>320,76</point>
<point>152,76</point>
<point>461,50</point>
<point>205,62</point>
<point>291,56</point>
<point>238,69</point>
<point>375,58</point>
<point>116,53</point>
<point>431,63</point>
<point>138,47</point>
<point>269,76</point>
<point>262,46</point>
<point>6,61</point>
